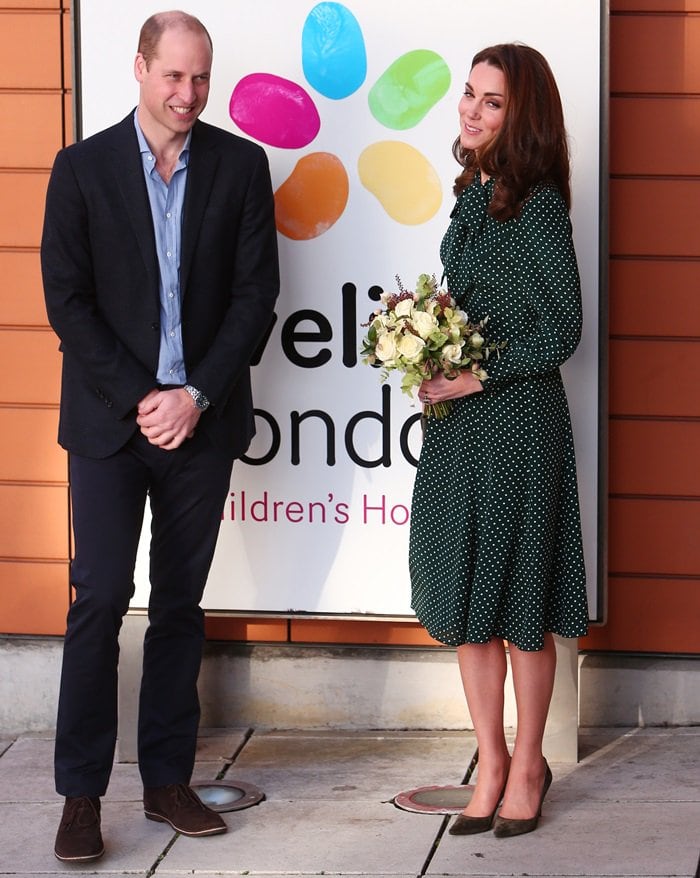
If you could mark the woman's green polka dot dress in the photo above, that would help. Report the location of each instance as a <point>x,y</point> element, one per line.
<point>495,547</point>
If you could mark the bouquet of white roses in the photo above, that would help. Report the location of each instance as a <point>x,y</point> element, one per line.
<point>423,333</point>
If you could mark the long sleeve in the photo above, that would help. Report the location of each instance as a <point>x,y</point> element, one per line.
<point>114,374</point>
<point>542,252</point>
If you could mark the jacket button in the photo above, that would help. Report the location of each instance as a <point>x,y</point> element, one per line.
<point>155,326</point>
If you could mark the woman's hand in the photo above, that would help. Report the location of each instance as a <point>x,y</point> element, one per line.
<point>440,389</point>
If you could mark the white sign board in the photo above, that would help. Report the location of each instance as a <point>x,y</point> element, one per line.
<point>356,106</point>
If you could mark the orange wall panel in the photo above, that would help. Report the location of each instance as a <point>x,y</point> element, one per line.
<point>33,4</point>
<point>28,448</point>
<point>649,615</point>
<point>655,6</point>
<point>655,54</point>
<point>632,119</point>
<point>26,193</point>
<point>21,291</point>
<point>654,298</point>
<point>655,217</point>
<point>30,48</point>
<point>31,128</point>
<point>34,598</point>
<point>654,536</point>
<point>68,132</point>
<point>67,35</point>
<point>30,367</point>
<point>33,522</point>
<point>655,378</point>
<point>234,628</point>
<point>655,78</point>
<point>654,457</point>
<point>361,632</point>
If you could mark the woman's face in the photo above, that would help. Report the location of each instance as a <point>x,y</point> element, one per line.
<point>482,107</point>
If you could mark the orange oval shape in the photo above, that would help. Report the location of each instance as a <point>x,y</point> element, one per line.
<point>312,198</point>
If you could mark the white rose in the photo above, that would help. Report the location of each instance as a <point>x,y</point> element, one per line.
<point>476,340</point>
<point>411,347</point>
<point>452,353</point>
<point>386,347</point>
<point>404,308</point>
<point>423,323</point>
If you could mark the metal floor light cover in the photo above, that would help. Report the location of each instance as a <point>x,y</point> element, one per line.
<point>450,799</point>
<point>227,795</point>
<point>435,799</point>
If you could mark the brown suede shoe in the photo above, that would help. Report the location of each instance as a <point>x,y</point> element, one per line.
<point>182,808</point>
<point>79,838</point>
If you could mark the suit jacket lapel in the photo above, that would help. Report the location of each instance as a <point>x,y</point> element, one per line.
<point>201,172</point>
<point>128,171</point>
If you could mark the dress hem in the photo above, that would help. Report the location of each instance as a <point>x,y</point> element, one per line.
<point>454,643</point>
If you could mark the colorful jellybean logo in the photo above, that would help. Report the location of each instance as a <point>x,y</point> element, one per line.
<point>281,113</point>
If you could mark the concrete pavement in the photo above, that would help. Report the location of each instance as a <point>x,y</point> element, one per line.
<point>630,807</point>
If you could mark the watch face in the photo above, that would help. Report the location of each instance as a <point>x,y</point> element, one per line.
<point>198,398</point>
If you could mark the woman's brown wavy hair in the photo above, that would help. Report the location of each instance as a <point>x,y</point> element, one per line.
<point>531,146</point>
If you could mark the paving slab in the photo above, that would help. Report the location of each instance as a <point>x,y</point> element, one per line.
<point>633,839</point>
<point>629,809</point>
<point>345,767</point>
<point>214,745</point>
<point>308,837</point>
<point>132,843</point>
<point>639,765</point>
<point>26,767</point>
<point>26,771</point>
<point>220,745</point>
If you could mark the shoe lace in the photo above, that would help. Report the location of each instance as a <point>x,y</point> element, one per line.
<point>185,795</point>
<point>81,811</point>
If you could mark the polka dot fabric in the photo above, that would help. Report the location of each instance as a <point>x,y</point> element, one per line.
<point>495,547</point>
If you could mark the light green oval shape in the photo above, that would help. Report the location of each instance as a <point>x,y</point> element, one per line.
<point>410,87</point>
<point>402,179</point>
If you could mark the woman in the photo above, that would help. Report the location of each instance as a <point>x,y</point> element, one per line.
<point>495,552</point>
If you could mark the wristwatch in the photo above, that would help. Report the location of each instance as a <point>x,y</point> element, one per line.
<point>198,398</point>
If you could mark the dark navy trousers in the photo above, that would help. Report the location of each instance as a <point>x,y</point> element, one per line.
<point>186,489</point>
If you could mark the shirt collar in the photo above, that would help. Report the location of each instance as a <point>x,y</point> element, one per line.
<point>145,149</point>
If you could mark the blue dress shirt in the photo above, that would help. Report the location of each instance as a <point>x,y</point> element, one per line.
<point>166,201</point>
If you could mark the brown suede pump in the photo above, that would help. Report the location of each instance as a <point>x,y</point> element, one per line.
<point>505,827</point>
<point>465,825</point>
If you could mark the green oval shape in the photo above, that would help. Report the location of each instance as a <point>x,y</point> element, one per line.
<point>407,89</point>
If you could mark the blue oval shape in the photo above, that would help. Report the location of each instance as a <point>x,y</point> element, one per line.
<point>333,52</point>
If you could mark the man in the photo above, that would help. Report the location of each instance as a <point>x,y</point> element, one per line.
<point>160,274</point>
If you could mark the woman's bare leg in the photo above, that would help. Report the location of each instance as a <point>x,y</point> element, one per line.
<point>483,670</point>
<point>533,681</point>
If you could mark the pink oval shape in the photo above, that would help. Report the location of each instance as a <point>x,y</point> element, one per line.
<point>274,110</point>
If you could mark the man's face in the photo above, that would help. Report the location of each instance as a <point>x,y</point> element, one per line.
<point>175,88</point>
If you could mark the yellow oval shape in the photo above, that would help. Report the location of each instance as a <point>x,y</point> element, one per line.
<point>403,181</point>
<point>312,198</point>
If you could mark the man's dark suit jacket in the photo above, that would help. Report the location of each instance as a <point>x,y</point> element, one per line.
<point>100,274</point>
